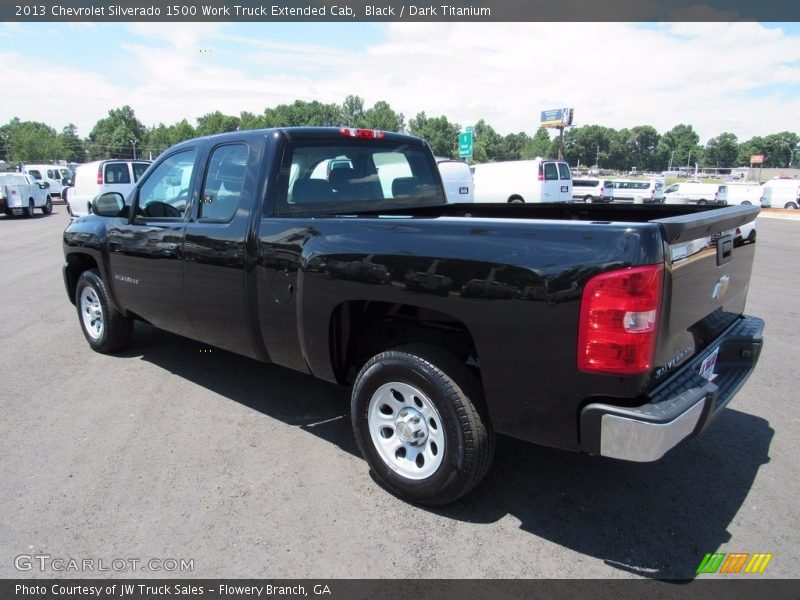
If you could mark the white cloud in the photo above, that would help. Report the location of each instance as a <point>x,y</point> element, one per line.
<point>717,76</point>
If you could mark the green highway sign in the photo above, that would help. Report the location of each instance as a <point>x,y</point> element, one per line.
<point>465,143</point>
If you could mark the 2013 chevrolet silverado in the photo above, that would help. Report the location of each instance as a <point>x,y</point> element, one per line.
<point>610,329</point>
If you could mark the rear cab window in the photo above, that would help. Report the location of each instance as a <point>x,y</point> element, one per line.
<point>355,176</point>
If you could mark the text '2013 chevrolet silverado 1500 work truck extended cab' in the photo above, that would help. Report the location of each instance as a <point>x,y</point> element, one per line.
<point>613,330</point>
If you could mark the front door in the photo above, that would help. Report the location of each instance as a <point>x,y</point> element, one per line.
<point>146,250</point>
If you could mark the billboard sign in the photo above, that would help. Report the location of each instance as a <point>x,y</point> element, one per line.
<point>558,117</point>
<point>757,159</point>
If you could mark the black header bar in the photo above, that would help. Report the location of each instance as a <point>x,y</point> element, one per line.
<point>398,10</point>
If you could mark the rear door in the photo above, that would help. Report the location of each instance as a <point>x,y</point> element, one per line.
<point>214,252</point>
<point>565,182</point>
<point>551,184</point>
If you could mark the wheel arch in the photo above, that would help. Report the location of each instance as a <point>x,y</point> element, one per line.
<point>360,329</point>
<point>75,265</point>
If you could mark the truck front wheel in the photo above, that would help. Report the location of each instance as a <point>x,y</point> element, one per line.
<point>419,420</point>
<point>106,329</point>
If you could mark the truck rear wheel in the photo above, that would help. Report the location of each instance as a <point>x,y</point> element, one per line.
<point>418,417</point>
<point>30,209</point>
<point>48,206</point>
<point>105,328</point>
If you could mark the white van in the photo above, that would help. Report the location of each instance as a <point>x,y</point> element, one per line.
<point>744,193</point>
<point>457,180</point>
<point>591,189</point>
<point>102,176</point>
<point>694,192</point>
<point>47,174</point>
<point>626,191</point>
<point>537,180</point>
<point>781,193</point>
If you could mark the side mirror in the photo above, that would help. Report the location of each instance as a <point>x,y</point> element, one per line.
<point>110,204</point>
<point>46,185</point>
<point>65,181</point>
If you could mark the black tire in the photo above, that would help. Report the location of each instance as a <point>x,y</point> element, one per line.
<point>31,208</point>
<point>448,385</point>
<point>701,202</point>
<point>48,206</point>
<point>516,200</point>
<point>791,206</point>
<point>588,199</point>
<point>115,329</point>
<point>746,203</point>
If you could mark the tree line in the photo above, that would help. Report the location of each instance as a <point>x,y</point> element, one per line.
<point>122,135</point>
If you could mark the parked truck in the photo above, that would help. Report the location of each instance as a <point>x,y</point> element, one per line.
<point>617,330</point>
<point>20,194</point>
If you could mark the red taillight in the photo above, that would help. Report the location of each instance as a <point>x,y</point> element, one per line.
<point>100,175</point>
<point>619,321</point>
<point>541,172</point>
<point>367,134</point>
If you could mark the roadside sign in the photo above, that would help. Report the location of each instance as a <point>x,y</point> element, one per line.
<point>465,143</point>
<point>756,159</point>
<point>558,117</point>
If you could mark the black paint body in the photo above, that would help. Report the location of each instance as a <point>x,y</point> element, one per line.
<point>268,286</point>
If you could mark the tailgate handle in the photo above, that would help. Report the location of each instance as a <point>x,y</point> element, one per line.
<point>724,249</point>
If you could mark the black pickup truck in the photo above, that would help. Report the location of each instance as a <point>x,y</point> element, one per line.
<point>610,329</point>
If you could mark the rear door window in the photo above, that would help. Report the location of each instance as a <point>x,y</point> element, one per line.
<point>550,171</point>
<point>224,183</point>
<point>563,171</point>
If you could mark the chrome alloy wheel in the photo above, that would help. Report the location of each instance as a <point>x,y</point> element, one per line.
<point>406,430</point>
<point>91,313</point>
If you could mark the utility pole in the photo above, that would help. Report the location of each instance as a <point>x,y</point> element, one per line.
<point>597,159</point>
<point>561,143</point>
<point>134,149</point>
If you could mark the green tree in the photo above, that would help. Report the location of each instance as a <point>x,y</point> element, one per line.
<point>71,146</point>
<point>304,113</point>
<point>382,116</point>
<point>643,142</point>
<point>161,137</point>
<point>29,141</point>
<point>538,145</point>
<point>353,111</point>
<point>116,135</point>
<point>441,134</point>
<point>588,144</point>
<point>216,122</point>
<point>722,151</point>
<point>486,142</point>
<point>679,147</point>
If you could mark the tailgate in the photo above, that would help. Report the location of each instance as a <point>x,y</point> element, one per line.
<point>706,282</point>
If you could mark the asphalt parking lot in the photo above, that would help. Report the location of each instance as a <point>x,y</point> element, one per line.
<point>177,451</point>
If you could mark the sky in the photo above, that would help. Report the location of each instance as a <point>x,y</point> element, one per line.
<point>737,77</point>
